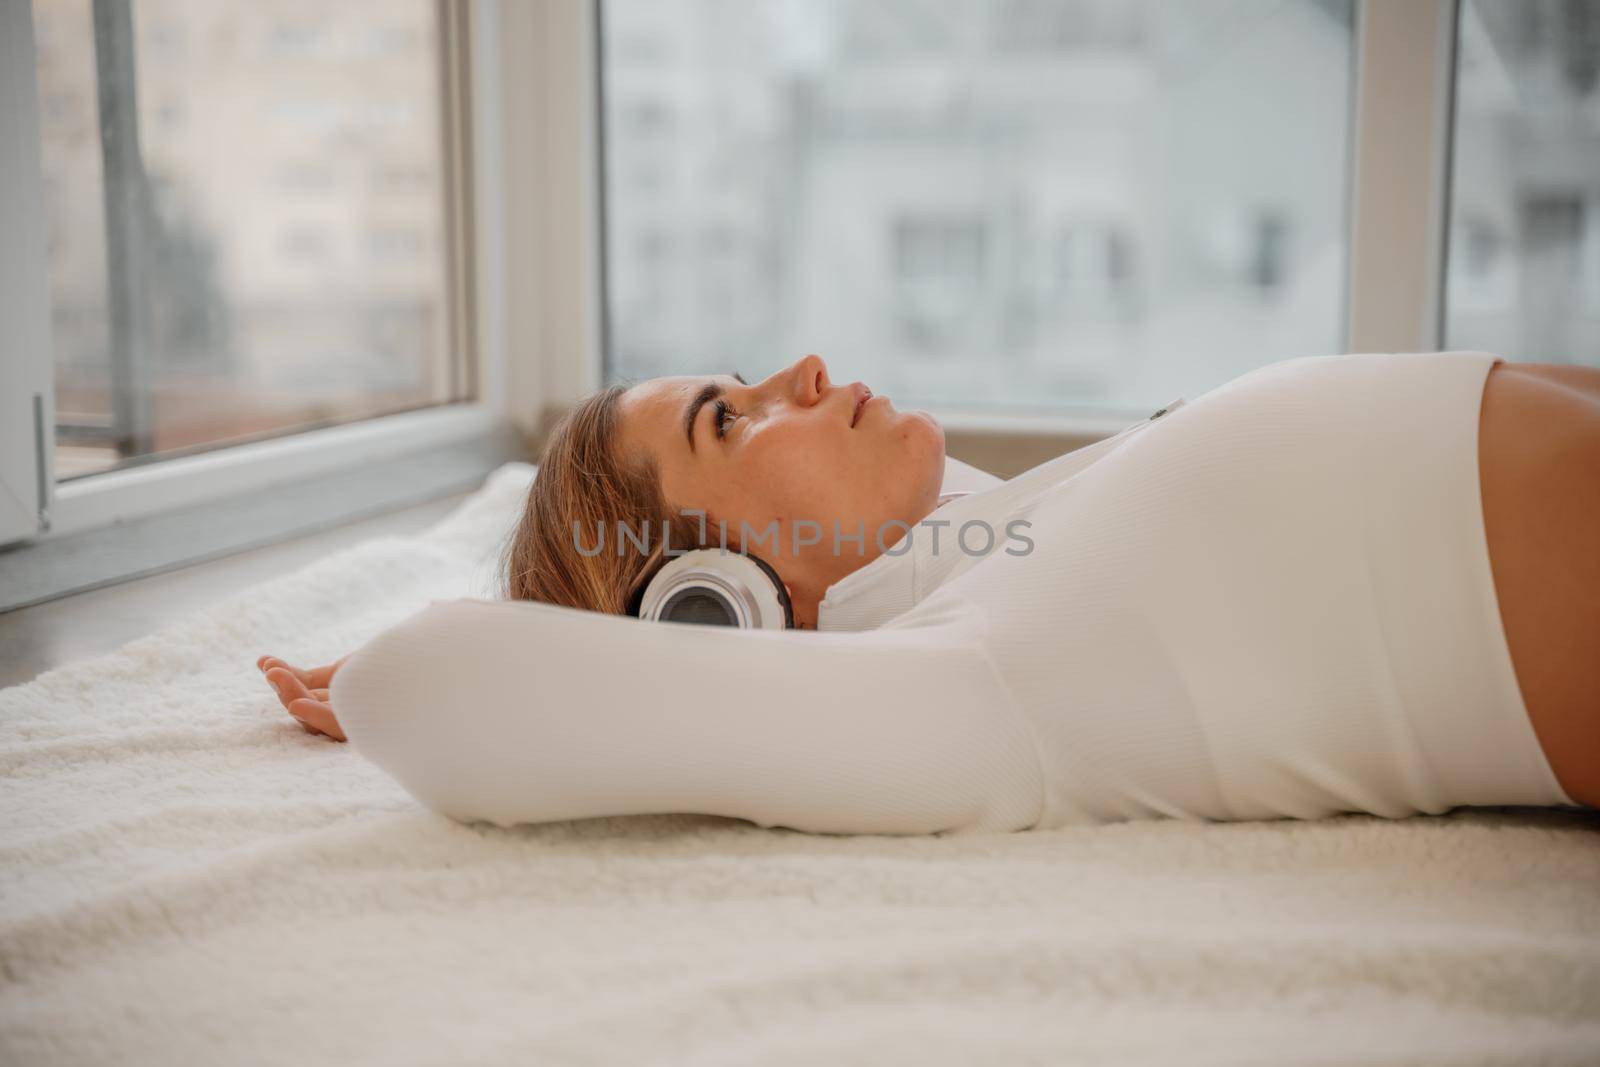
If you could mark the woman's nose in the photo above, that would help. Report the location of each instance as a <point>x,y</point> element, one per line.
<point>810,379</point>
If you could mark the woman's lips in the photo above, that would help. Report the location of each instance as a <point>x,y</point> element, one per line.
<point>861,402</point>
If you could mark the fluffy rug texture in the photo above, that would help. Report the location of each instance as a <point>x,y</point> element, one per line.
<point>189,877</point>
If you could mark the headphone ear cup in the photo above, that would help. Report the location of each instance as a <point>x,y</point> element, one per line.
<point>717,588</point>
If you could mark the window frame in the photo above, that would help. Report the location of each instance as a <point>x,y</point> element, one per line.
<point>25,393</point>
<point>1402,126</point>
<point>481,429</point>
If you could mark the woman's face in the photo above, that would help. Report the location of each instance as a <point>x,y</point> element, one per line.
<point>791,448</point>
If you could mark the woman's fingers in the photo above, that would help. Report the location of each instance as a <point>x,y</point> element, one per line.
<point>316,713</point>
<point>312,678</point>
<point>270,663</point>
<point>286,684</point>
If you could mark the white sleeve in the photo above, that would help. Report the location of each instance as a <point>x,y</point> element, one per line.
<point>515,711</point>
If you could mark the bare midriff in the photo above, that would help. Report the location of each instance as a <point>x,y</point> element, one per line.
<point>1539,472</point>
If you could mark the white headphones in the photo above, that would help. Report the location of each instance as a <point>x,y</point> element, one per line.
<point>714,587</point>
<point>717,588</point>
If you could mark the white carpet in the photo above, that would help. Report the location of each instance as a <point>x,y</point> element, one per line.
<point>188,877</point>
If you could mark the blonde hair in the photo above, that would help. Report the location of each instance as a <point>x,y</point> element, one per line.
<point>584,486</point>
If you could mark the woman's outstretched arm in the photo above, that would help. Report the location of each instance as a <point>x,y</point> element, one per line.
<point>516,711</point>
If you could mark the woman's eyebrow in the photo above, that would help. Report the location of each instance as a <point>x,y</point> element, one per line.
<point>707,393</point>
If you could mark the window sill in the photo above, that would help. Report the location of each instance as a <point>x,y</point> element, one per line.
<point>143,520</point>
<point>72,628</point>
<point>134,492</point>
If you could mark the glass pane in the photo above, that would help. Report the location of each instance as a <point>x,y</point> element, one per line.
<point>246,217</point>
<point>1019,204</point>
<point>1524,266</point>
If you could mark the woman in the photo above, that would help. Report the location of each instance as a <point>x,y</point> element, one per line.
<point>1336,583</point>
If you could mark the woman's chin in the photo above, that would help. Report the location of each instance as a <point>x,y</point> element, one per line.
<point>918,441</point>
<point>929,427</point>
<point>926,438</point>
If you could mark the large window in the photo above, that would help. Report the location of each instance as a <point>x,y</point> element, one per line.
<point>1011,204</point>
<point>247,220</point>
<point>1524,275</point>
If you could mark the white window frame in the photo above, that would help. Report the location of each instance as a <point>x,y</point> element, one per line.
<point>482,430</point>
<point>25,346</point>
<point>1402,124</point>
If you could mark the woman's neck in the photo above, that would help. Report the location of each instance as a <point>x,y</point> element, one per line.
<point>807,590</point>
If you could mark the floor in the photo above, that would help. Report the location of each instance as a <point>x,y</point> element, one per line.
<point>37,638</point>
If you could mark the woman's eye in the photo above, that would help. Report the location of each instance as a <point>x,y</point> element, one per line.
<point>722,419</point>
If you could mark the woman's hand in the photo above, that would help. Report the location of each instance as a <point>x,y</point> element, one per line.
<point>305,693</point>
